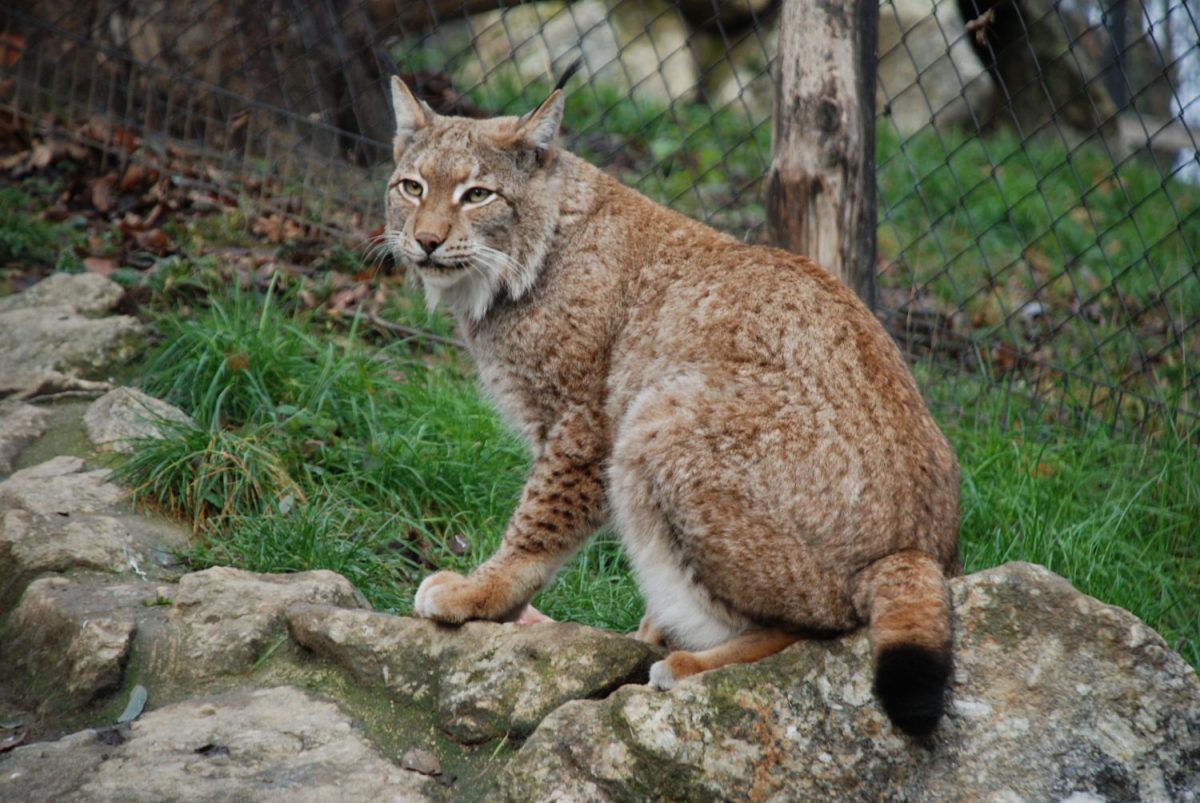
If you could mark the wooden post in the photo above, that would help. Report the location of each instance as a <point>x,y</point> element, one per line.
<point>820,190</point>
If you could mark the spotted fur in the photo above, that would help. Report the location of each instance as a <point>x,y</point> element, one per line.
<point>735,411</point>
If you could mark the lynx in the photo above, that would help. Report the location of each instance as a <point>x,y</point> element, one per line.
<point>735,412</point>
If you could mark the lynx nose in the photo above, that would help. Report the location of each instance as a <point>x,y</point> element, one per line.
<point>428,241</point>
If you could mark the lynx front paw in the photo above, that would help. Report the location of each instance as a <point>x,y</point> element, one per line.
<point>661,676</point>
<point>675,667</point>
<point>435,598</point>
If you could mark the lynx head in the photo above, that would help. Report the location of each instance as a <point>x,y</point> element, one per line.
<point>472,204</point>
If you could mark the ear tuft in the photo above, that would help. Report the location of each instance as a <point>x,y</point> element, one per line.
<point>539,128</point>
<point>411,115</point>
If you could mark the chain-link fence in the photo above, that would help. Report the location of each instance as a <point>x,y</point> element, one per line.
<point>1038,178</point>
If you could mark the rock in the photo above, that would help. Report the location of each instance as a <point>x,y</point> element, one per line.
<point>62,485</point>
<point>482,680</point>
<point>59,516</point>
<point>128,414</point>
<point>224,619</point>
<point>46,384</point>
<point>47,332</point>
<point>20,425</point>
<point>421,761</point>
<point>33,544</point>
<point>213,623</point>
<point>928,72</point>
<point>276,744</point>
<point>59,339</point>
<point>68,641</point>
<point>1054,694</point>
<point>85,293</point>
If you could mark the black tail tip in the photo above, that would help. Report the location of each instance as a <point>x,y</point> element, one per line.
<point>910,682</point>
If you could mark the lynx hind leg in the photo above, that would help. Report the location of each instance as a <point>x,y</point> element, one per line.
<point>650,633</point>
<point>679,610</point>
<point>907,602</point>
<point>743,649</point>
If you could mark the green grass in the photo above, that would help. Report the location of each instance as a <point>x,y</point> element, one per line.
<point>985,226</point>
<point>1116,516</point>
<point>322,451</point>
<point>25,237</point>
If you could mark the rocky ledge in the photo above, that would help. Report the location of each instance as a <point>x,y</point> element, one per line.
<point>124,677</point>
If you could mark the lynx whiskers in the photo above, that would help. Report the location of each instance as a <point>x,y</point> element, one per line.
<point>734,411</point>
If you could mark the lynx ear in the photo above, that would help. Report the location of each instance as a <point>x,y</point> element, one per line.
<point>411,115</point>
<point>538,128</point>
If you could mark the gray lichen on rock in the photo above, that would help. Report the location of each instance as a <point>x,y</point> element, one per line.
<point>482,680</point>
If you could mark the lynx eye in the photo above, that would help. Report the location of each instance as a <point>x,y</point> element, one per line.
<point>477,194</point>
<point>411,187</point>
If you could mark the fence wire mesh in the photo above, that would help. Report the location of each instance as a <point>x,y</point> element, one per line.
<point>1038,198</point>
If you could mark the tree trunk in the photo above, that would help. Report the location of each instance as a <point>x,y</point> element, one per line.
<point>820,191</point>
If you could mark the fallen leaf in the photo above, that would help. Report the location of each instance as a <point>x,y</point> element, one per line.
<point>135,706</point>
<point>125,138</point>
<point>43,154</point>
<point>134,176</point>
<point>100,265</point>
<point>101,192</point>
<point>56,213</point>
<point>344,299</point>
<point>155,214</point>
<point>11,47</point>
<point>238,361</point>
<point>153,240</point>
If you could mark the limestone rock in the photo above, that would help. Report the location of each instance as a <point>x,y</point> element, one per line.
<point>47,331</point>
<point>1054,694</point>
<point>33,544</point>
<point>482,680</point>
<point>127,414</point>
<point>47,384</point>
<point>20,424</point>
<point>421,761</point>
<point>86,293</point>
<point>223,619</point>
<point>276,744</point>
<point>59,339</point>
<point>69,640</point>
<point>62,485</point>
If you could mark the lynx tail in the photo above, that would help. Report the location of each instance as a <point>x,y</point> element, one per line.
<point>907,601</point>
